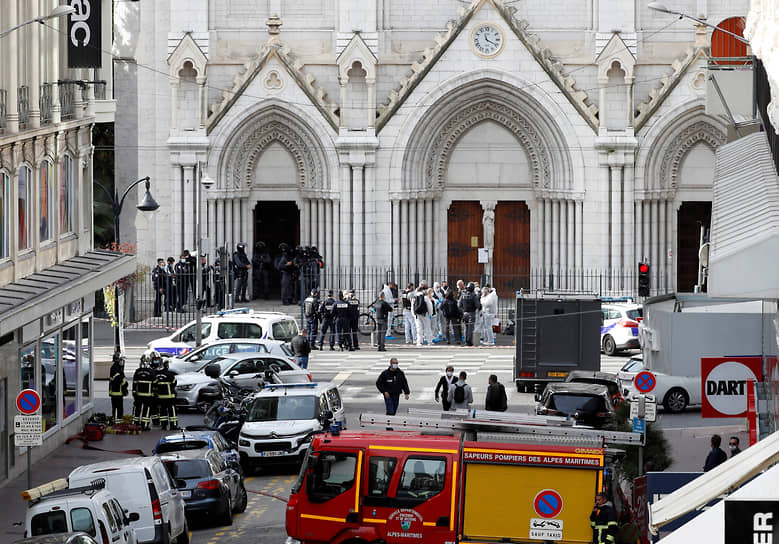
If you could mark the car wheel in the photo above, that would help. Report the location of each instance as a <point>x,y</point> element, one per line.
<point>227,514</point>
<point>243,500</point>
<point>676,400</point>
<point>609,346</point>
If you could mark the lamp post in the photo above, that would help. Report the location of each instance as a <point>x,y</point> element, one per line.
<point>147,205</point>
<point>204,180</point>
<point>657,6</point>
<point>59,11</point>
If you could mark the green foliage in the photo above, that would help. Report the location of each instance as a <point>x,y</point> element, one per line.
<point>656,451</point>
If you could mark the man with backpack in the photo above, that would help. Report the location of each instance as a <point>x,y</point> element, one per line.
<point>452,318</point>
<point>460,394</point>
<point>311,310</point>
<point>470,306</point>
<point>496,400</point>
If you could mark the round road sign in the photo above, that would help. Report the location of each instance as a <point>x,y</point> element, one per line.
<point>548,503</point>
<point>28,401</point>
<point>645,381</point>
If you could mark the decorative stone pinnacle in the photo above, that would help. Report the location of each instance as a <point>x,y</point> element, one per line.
<point>274,24</point>
<point>701,35</point>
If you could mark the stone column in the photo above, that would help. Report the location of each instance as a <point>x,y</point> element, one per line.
<point>358,215</point>
<point>629,224</point>
<point>305,221</point>
<point>548,241</point>
<point>188,209</point>
<point>556,239</point>
<point>429,243</point>
<point>346,216</point>
<point>395,235</point>
<point>403,260</point>
<point>202,109</point>
<point>638,234</point>
<point>211,230</point>
<point>229,237</point>
<point>371,84</point>
<point>54,66</point>
<point>646,248</point>
<point>571,260</point>
<point>321,224</point>
<point>247,225</point>
<point>336,254</point>
<point>12,42</point>
<point>629,100</point>
<point>615,253</point>
<point>219,233</point>
<point>177,190</point>
<point>413,223</point>
<point>663,242</point>
<point>174,104</point>
<point>602,119</point>
<point>540,261</point>
<point>34,32</point>
<point>580,235</point>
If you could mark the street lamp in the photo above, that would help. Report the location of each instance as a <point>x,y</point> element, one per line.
<point>658,6</point>
<point>147,205</point>
<point>59,11</point>
<point>204,180</point>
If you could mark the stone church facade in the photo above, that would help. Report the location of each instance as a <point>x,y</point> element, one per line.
<point>559,135</point>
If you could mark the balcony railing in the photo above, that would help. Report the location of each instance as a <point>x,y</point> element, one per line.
<point>3,109</point>
<point>23,106</point>
<point>67,100</point>
<point>46,102</point>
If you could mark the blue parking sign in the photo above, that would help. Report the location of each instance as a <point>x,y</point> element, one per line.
<point>639,425</point>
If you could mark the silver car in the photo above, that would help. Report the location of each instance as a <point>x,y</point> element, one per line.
<point>196,359</point>
<point>245,369</point>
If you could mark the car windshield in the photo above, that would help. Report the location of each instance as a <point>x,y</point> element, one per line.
<point>181,445</point>
<point>633,365</point>
<point>569,404</point>
<point>283,408</point>
<point>187,469</point>
<point>635,314</point>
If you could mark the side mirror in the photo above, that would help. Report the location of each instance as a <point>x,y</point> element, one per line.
<point>232,374</point>
<point>134,516</point>
<point>212,371</point>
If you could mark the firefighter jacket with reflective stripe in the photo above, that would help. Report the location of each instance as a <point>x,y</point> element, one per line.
<point>604,525</point>
<point>117,383</point>
<point>142,382</point>
<point>165,385</point>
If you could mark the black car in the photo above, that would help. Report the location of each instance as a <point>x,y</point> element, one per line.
<point>601,378</point>
<point>589,404</point>
<point>209,486</point>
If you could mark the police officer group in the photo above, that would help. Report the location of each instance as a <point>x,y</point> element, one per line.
<point>153,390</point>
<point>332,320</point>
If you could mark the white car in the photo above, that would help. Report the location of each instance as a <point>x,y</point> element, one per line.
<point>197,358</point>
<point>246,370</point>
<point>282,419</point>
<point>674,393</point>
<point>619,327</point>
<point>242,323</point>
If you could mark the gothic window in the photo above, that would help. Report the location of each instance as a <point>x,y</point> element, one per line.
<point>726,49</point>
<point>25,207</point>
<point>66,194</point>
<point>46,201</point>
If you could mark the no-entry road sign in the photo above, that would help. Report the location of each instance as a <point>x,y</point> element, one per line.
<point>28,401</point>
<point>645,381</point>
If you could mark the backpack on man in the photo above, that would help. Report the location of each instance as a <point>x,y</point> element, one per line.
<point>459,393</point>
<point>420,306</point>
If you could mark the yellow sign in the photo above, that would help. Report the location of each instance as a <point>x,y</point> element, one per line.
<point>474,241</point>
<point>557,374</point>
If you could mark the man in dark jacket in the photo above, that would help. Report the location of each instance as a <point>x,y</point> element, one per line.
<point>603,521</point>
<point>496,400</point>
<point>342,323</point>
<point>716,456</point>
<point>117,387</point>
<point>443,386</point>
<point>391,383</point>
<point>470,305</point>
<point>383,310</point>
<point>241,267</point>
<point>165,392</point>
<point>327,313</point>
<point>452,316</point>
<point>301,348</point>
<point>159,278</point>
<point>261,265</point>
<point>143,392</point>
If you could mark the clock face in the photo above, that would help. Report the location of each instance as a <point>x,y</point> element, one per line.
<point>487,40</point>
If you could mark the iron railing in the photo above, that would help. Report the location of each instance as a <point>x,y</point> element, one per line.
<point>23,106</point>
<point>67,100</point>
<point>46,103</point>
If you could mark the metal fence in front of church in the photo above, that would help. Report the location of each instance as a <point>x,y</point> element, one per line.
<point>174,304</point>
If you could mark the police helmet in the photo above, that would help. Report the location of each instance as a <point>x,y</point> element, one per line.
<point>283,246</point>
<point>329,292</point>
<point>315,292</point>
<point>241,247</point>
<point>259,245</point>
<point>471,286</point>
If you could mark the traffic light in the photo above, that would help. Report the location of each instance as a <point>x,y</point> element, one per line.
<point>643,279</point>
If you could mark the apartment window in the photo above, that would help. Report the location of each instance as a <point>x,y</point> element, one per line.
<point>25,207</point>
<point>46,197</point>
<point>5,215</point>
<point>66,194</point>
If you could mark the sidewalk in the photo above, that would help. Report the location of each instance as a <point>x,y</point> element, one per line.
<point>58,465</point>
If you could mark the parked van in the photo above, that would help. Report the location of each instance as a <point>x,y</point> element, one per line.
<point>57,508</point>
<point>143,485</point>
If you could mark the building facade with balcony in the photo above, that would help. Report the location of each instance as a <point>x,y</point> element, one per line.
<point>49,269</point>
<point>559,136</point>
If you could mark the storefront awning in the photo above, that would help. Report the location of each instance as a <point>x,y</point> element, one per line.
<point>745,221</point>
<point>48,290</point>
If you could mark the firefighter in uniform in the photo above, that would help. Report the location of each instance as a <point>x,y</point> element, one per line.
<point>342,323</point>
<point>603,520</point>
<point>311,311</point>
<point>156,367</point>
<point>117,387</point>
<point>327,311</point>
<point>143,379</point>
<point>354,318</point>
<point>165,393</point>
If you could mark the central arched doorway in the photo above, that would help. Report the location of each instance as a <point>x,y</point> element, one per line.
<point>276,222</point>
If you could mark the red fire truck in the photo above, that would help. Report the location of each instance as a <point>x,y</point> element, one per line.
<point>456,481</point>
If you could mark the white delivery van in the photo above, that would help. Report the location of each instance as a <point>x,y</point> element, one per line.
<point>142,485</point>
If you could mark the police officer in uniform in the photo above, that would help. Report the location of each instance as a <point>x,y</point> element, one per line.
<point>261,265</point>
<point>206,271</point>
<point>117,387</point>
<point>181,271</point>
<point>143,393</point>
<point>159,279</point>
<point>311,311</point>
<point>354,319</point>
<point>156,368</point>
<point>241,266</point>
<point>165,392</point>
<point>286,267</point>
<point>469,304</point>
<point>327,312</point>
<point>319,261</point>
<point>342,323</point>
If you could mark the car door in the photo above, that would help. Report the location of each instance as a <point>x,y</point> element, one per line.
<point>247,372</point>
<point>171,501</point>
<point>227,474</point>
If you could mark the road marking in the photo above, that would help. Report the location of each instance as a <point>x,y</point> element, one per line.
<point>340,378</point>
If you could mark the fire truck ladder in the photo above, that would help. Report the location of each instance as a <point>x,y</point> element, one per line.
<point>500,427</point>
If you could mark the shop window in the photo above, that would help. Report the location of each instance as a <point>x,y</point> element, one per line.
<point>25,207</point>
<point>5,215</point>
<point>85,339</point>
<point>70,371</point>
<point>726,49</point>
<point>28,367</point>
<point>46,201</point>
<point>66,194</point>
<point>50,362</point>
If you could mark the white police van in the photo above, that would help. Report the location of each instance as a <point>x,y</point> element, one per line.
<point>619,325</point>
<point>237,323</point>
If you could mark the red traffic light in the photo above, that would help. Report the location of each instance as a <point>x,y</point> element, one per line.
<point>643,268</point>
